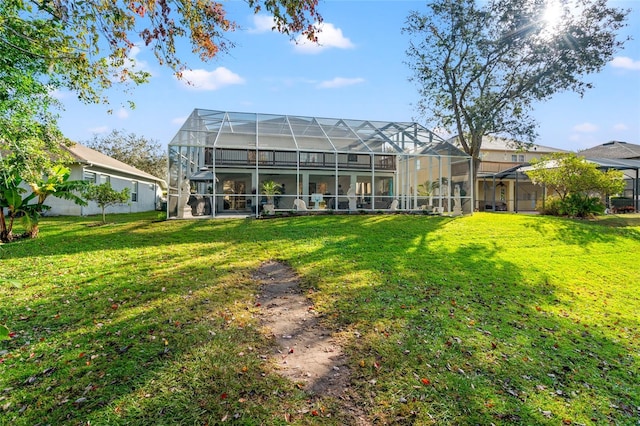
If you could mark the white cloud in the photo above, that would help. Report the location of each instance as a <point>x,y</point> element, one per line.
<point>122,113</point>
<point>262,24</point>
<point>99,130</point>
<point>620,127</point>
<point>60,94</point>
<point>139,63</point>
<point>625,63</point>
<point>210,80</point>
<point>328,37</point>
<point>339,82</point>
<point>585,128</point>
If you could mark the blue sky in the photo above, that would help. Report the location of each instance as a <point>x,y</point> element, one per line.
<point>359,72</point>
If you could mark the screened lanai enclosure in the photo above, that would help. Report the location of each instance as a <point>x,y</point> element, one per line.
<point>219,161</point>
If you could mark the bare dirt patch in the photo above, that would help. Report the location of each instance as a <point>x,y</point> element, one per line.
<point>305,351</point>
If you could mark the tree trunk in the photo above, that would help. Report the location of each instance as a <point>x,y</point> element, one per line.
<point>3,225</point>
<point>33,232</point>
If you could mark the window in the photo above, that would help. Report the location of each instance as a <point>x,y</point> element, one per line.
<point>514,157</point>
<point>134,191</point>
<point>89,176</point>
<point>105,179</point>
<point>521,158</point>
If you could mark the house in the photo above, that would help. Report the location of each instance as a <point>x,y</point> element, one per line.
<point>621,156</point>
<point>500,186</point>
<point>613,149</point>
<point>219,160</point>
<point>91,165</point>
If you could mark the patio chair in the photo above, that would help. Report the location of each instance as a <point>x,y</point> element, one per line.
<point>300,205</point>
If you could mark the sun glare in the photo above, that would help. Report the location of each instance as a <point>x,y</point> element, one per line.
<point>552,13</point>
<point>552,17</point>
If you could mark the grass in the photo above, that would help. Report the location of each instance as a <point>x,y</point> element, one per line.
<point>492,318</point>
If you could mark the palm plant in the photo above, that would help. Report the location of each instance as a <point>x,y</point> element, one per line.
<point>270,188</point>
<point>55,182</point>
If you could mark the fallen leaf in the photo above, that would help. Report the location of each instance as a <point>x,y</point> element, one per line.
<point>425,381</point>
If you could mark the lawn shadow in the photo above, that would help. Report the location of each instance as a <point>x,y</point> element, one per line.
<point>493,343</point>
<point>583,232</point>
<point>172,344</point>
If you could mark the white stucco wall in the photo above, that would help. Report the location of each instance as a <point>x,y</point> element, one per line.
<point>149,194</point>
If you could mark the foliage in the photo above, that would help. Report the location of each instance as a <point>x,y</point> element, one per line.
<point>105,196</point>
<point>428,188</point>
<point>481,66</point>
<point>26,84</point>
<point>576,181</point>
<point>576,205</point>
<point>137,151</point>
<point>551,206</point>
<point>54,183</point>
<point>88,46</point>
<point>509,319</point>
<point>270,188</point>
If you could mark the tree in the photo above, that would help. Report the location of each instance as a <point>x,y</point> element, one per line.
<point>576,182</point>
<point>137,151</point>
<point>480,66</point>
<point>86,46</point>
<point>104,195</point>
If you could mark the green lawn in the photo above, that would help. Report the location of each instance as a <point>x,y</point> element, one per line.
<point>493,318</point>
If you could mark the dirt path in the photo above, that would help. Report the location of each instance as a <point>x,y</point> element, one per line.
<point>305,351</point>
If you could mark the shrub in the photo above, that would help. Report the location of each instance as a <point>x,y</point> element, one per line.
<point>552,206</point>
<point>577,205</point>
<point>574,205</point>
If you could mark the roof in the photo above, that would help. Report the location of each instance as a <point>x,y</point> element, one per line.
<point>86,155</point>
<point>616,164</point>
<point>494,143</point>
<point>613,149</point>
<point>240,130</point>
<point>601,163</point>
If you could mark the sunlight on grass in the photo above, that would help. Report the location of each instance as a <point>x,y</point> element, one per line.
<point>491,318</point>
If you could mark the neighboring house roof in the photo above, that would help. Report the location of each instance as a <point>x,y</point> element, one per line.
<point>492,143</point>
<point>613,149</point>
<point>88,156</point>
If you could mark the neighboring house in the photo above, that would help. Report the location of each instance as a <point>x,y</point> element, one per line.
<point>219,160</point>
<point>622,156</point>
<point>91,165</point>
<point>613,149</point>
<point>499,184</point>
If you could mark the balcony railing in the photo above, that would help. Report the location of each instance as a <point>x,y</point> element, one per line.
<point>290,159</point>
